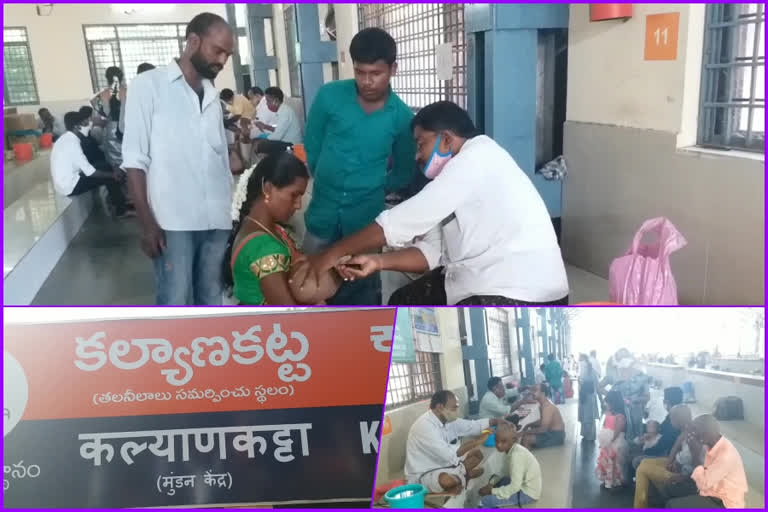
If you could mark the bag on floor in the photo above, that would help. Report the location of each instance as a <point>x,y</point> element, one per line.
<point>729,408</point>
<point>643,275</point>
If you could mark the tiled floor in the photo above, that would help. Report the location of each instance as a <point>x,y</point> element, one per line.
<point>104,265</point>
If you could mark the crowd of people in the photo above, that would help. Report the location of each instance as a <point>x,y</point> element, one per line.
<point>677,462</point>
<point>176,141</point>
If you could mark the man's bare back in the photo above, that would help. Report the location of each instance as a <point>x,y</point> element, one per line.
<point>551,419</point>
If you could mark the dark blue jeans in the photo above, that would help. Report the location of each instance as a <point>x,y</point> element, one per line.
<point>519,498</point>
<point>188,272</point>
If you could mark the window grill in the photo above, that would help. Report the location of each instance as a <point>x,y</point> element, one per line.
<point>732,113</point>
<point>19,85</point>
<point>499,344</point>
<point>411,382</point>
<point>127,46</point>
<point>417,29</point>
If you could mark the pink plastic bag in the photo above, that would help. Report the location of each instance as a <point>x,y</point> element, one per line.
<point>643,276</point>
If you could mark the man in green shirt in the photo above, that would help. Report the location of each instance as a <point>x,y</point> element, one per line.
<point>353,128</point>
<point>554,372</point>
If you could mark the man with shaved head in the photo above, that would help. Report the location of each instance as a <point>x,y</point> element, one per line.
<point>521,482</point>
<point>718,469</point>
<point>670,476</point>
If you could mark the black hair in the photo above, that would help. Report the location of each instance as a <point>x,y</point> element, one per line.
<point>144,66</point>
<point>72,120</point>
<point>445,115</point>
<point>256,90</point>
<point>551,357</point>
<point>493,382</point>
<point>440,398</point>
<point>544,387</point>
<point>227,94</point>
<point>40,112</point>
<point>86,111</point>
<point>371,45</point>
<point>673,396</point>
<point>279,169</point>
<point>111,73</point>
<point>275,92</point>
<point>202,23</point>
<point>593,353</point>
<point>615,401</point>
<point>542,366</point>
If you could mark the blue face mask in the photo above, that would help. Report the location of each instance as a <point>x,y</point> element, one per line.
<point>436,161</point>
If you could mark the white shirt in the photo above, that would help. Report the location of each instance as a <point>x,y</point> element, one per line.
<point>287,128</point>
<point>491,406</point>
<point>540,377</point>
<point>482,219</point>
<point>596,367</point>
<point>182,149</point>
<point>67,162</point>
<point>263,113</point>
<point>432,445</point>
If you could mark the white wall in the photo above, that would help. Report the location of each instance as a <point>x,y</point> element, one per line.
<point>609,82</point>
<point>346,28</point>
<point>58,46</point>
<point>629,122</point>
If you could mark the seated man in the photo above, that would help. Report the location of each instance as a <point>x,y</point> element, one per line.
<point>286,128</point>
<point>91,149</point>
<point>433,455</point>
<point>718,469</point>
<point>550,429</point>
<point>494,405</point>
<point>670,477</point>
<point>72,173</point>
<point>50,124</point>
<point>237,104</point>
<point>522,482</point>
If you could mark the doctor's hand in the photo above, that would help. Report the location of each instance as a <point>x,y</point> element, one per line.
<point>358,267</point>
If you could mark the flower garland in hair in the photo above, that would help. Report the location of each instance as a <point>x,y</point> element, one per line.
<point>241,192</point>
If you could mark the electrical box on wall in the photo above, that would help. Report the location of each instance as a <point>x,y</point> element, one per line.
<point>604,12</point>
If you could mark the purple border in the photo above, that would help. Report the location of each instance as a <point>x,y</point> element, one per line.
<point>384,408</point>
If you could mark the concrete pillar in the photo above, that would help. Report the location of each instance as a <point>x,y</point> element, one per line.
<point>478,352</point>
<point>502,79</point>
<point>262,62</point>
<point>524,322</point>
<point>312,52</point>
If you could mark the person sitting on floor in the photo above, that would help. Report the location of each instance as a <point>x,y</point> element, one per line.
<point>494,405</point>
<point>669,434</point>
<point>286,129</point>
<point>434,457</point>
<point>549,430</point>
<point>521,482</point>
<point>718,472</point>
<point>670,476</point>
<point>73,175</point>
<point>48,123</point>
<point>651,436</point>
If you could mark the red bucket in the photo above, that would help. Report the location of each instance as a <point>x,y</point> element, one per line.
<point>46,140</point>
<point>23,151</point>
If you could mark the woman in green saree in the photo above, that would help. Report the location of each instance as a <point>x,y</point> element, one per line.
<point>261,256</point>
